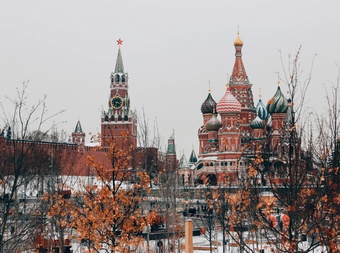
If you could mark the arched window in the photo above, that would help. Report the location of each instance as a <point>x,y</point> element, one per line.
<point>120,117</point>
<point>126,118</point>
<point>112,118</point>
<point>117,78</point>
<point>106,118</point>
<point>123,78</point>
<point>200,166</point>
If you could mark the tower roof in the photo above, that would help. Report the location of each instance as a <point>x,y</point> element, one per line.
<point>278,103</point>
<point>213,124</point>
<point>119,62</point>
<point>239,75</point>
<point>171,144</point>
<point>78,128</point>
<point>261,110</point>
<point>228,103</point>
<point>257,123</point>
<point>193,157</point>
<point>209,105</point>
<point>183,162</point>
<point>238,41</point>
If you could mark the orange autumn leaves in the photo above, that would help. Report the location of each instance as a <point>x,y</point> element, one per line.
<point>107,214</point>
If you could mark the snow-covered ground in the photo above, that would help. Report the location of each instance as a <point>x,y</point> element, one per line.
<point>202,242</point>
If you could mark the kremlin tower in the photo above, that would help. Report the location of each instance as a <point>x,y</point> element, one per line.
<point>119,123</point>
<point>78,137</point>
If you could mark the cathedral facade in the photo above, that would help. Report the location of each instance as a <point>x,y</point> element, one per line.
<point>233,127</point>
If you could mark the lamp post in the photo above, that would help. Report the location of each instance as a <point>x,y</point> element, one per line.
<point>148,230</point>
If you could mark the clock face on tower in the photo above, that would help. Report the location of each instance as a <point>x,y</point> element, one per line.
<point>116,102</point>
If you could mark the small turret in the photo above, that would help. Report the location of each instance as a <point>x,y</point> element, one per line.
<point>193,157</point>
<point>171,158</point>
<point>78,136</point>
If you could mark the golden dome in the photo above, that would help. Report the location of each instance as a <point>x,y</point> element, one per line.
<point>238,41</point>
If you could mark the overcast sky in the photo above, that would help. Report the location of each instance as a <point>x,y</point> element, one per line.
<point>171,49</point>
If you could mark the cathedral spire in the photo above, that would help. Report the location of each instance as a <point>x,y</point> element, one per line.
<point>119,63</point>
<point>239,75</point>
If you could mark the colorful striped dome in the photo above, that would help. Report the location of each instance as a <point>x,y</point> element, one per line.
<point>278,103</point>
<point>228,103</point>
<point>209,105</point>
<point>261,110</point>
<point>257,123</point>
<point>213,124</point>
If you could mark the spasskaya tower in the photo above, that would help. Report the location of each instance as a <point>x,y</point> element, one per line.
<point>119,123</point>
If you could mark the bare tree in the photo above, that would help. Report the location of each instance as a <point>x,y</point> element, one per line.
<point>22,159</point>
<point>326,152</point>
<point>282,194</point>
<point>147,136</point>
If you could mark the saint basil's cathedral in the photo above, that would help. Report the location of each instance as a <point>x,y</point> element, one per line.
<point>233,127</point>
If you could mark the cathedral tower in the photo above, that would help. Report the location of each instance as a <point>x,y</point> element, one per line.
<point>208,109</point>
<point>240,86</point>
<point>119,123</point>
<point>277,107</point>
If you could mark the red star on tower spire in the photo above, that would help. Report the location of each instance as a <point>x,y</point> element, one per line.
<point>119,42</point>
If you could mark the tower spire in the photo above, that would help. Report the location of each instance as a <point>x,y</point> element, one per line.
<point>119,62</point>
<point>240,86</point>
<point>78,128</point>
<point>239,75</point>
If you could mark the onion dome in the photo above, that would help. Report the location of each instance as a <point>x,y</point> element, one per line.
<point>261,110</point>
<point>257,123</point>
<point>209,105</point>
<point>213,124</point>
<point>228,103</point>
<point>278,103</point>
<point>238,41</point>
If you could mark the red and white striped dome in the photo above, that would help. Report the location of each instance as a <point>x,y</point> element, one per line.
<point>228,103</point>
